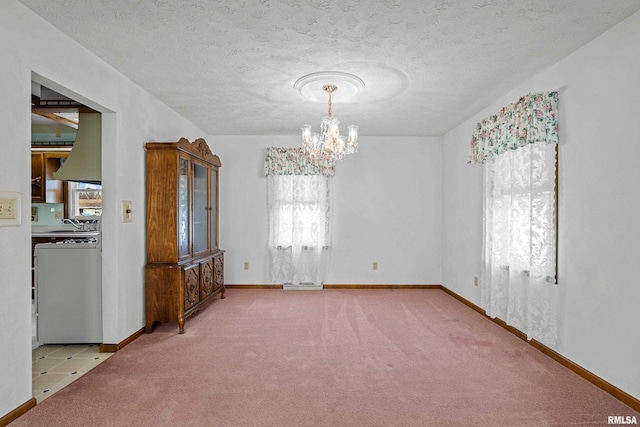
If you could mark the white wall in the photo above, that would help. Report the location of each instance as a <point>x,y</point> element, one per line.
<point>599,236</point>
<point>386,209</point>
<point>35,50</point>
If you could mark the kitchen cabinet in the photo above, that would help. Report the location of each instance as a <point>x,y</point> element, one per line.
<point>45,189</point>
<point>185,266</point>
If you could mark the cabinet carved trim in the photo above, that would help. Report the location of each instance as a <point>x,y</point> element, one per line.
<point>207,279</point>
<point>219,271</point>
<point>184,269</point>
<point>191,288</point>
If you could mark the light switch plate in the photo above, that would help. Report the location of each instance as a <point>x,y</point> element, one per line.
<point>10,208</point>
<point>127,216</point>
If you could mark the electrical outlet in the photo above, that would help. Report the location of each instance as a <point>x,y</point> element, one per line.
<point>10,203</point>
<point>475,280</point>
<point>375,265</point>
<point>246,265</point>
<point>7,208</point>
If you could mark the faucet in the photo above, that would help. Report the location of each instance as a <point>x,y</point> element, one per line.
<point>76,223</point>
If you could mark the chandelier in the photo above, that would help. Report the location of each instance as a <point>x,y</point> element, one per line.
<point>329,141</point>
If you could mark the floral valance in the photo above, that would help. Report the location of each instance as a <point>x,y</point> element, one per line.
<point>534,118</point>
<point>295,161</point>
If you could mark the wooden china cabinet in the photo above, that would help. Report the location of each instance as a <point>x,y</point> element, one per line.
<point>185,267</point>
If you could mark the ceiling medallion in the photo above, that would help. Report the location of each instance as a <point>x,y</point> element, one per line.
<point>312,85</point>
<point>329,141</point>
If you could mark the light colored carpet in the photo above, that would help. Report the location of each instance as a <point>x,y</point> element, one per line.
<point>337,357</point>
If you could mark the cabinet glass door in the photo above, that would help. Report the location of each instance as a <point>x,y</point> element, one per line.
<point>200,208</point>
<point>183,208</point>
<point>214,208</point>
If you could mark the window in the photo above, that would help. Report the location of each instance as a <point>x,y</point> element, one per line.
<point>299,232</point>
<point>518,147</point>
<point>299,238</point>
<point>521,204</point>
<point>300,210</point>
<point>85,199</point>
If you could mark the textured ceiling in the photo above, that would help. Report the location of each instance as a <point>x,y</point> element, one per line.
<point>229,65</point>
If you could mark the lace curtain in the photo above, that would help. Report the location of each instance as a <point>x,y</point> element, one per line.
<point>299,237</point>
<point>518,277</point>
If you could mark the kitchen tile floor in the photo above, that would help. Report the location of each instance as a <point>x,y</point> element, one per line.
<point>56,366</point>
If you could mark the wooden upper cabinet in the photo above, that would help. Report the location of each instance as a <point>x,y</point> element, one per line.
<point>37,177</point>
<point>45,189</point>
<point>182,200</point>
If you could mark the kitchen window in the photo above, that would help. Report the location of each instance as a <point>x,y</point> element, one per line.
<point>85,200</point>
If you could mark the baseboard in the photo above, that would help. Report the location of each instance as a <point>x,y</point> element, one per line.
<point>614,391</point>
<point>18,412</point>
<point>340,286</point>
<point>378,286</point>
<point>112,348</point>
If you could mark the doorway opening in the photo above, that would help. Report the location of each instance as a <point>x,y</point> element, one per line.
<point>66,234</point>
